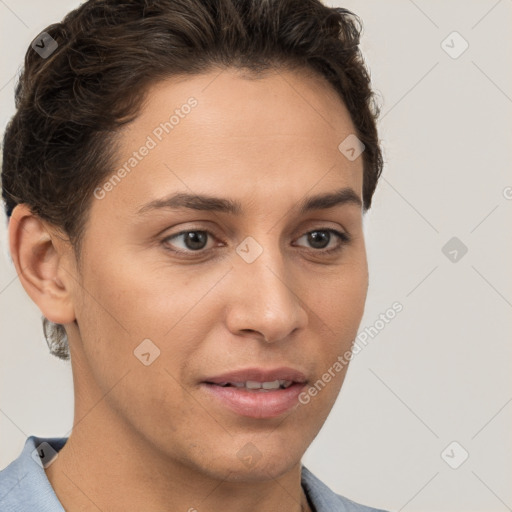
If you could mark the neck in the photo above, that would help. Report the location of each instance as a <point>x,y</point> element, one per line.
<point>115,472</point>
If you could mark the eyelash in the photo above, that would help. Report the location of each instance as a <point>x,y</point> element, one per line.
<point>343,238</point>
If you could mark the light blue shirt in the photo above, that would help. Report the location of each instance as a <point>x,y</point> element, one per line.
<point>24,486</point>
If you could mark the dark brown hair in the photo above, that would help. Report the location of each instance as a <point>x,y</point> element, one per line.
<point>60,144</point>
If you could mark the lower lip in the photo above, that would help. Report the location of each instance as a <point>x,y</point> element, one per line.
<point>256,404</point>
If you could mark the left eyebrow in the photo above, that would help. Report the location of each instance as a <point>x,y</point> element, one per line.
<point>325,201</point>
<point>218,204</point>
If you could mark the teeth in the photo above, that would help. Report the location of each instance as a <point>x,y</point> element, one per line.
<point>252,384</point>
<point>271,385</point>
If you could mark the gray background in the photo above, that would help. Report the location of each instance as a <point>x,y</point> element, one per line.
<point>440,370</point>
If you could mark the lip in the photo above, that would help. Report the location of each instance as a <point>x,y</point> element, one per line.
<point>258,374</point>
<point>256,404</point>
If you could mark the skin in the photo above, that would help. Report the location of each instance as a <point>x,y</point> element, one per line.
<point>148,437</point>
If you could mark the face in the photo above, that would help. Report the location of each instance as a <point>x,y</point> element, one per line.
<point>228,294</point>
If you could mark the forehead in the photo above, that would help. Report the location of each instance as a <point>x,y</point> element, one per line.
<point>238,104</point>
<point>231,134</point>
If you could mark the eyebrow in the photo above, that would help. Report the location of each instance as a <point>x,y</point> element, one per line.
<point>203,202</point>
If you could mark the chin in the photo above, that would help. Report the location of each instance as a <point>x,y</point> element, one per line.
<point>250,465</point>
<point>259,473</point>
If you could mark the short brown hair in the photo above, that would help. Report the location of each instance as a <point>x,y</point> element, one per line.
<point>60,144</point>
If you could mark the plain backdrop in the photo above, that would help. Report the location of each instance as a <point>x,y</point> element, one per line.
<point>434,385</point>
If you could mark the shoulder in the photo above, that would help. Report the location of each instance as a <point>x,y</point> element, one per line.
<point>325,500</point>
<point>24,485</point>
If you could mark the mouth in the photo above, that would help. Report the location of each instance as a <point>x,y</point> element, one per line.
<point>253,385</point>
<point>256,393</point>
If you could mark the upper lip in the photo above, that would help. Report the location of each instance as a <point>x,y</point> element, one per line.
<point>258,375</point>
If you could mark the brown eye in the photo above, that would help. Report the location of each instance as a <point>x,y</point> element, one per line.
<point>319,239</point>
<point>192,240</point>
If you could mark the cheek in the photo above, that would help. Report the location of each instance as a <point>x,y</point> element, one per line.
<point>139,300</point>
<point>119,309</point>
<point>339,300</point>
<point>336,310</point>
<point>125,302</point>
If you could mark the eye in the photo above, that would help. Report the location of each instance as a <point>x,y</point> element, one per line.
<point>194,240</point>
<point>321,238</point>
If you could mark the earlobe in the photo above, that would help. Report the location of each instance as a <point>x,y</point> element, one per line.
<point>39,259</point>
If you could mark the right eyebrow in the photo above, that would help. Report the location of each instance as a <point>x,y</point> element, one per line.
<point>195,202</point>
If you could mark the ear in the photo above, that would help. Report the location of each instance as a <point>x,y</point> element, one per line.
<point>42,263</point>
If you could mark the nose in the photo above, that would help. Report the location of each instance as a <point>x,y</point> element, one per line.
<point>266,298</point>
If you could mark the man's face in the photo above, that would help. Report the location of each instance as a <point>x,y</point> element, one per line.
<point>250,293</point>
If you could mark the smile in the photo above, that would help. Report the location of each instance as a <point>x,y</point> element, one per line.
<point>255,392</point>
<point>258,386</point>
